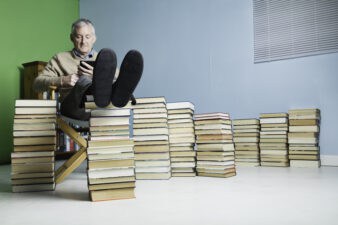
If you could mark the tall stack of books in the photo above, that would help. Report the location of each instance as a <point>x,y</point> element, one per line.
<point>246,139</point>
<point>182,139</point>
<point>303,137</point>
<point>215,148</point>
<point>111,173</point>
<point>273,139</point>
<point>151,137</point>
<point>34,133</point>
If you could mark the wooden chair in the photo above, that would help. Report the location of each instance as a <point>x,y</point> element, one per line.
<point>67,126</point>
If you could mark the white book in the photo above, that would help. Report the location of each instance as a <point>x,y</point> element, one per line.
<point>35,103</point>
<point>33,126</point>
<point>36,133</point>
<point>152,163</point>
<point>151,138</point>
<point>183,164</point>
<point>109,137</point>
<point>212,116</point>
<point>215,163</point>
<point>212,126</point>
<point>274,120</point>
<point>152,131</point>
<point>150,115</point>
<point>159,169</point>
<point>147,100</point>
<point>149,106</point>
<point>154,110</point>
<point>303,128</point>
<point>180,105</point>
<point>216,147</point>
<point>105,173</point>
<point>176,121</point>
<point>110,150</point>
<point>110,112</point>
<point>305,163</point>
<point>127,155</point>
<point>303,140</point>
<point>106,121</point>
<point>34,111</point>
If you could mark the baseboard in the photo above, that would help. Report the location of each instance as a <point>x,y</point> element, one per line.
<point>329,160</point>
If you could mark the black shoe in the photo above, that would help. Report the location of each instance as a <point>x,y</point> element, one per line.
<point>104,72</point>
<point>72,106</point>
<point>130,74</point>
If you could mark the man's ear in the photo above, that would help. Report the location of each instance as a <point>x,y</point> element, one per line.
<point>94,39</point>
<point>71,37</point>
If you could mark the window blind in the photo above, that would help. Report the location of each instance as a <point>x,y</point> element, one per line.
<point>286,29</point>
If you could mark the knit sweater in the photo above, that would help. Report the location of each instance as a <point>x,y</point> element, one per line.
<point>62,64</point>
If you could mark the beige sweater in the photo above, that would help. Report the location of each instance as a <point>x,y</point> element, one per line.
<point>62,64</point>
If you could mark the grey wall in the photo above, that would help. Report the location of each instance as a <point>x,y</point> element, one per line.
<point>202,51</point>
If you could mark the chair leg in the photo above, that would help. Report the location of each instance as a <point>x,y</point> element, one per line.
<point>75,161</point>
<point>70,165</point>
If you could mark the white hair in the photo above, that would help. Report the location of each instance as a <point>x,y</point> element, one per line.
<point>79,23</point>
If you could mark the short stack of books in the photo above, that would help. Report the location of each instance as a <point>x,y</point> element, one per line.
<point>303,137</point>
<point>111,173</point>
<point>151,137</point>
<point>215,148</point>
<point>182,139</point>
<point>34,133</point>
<point>273,139</point>
<point>246,139</point>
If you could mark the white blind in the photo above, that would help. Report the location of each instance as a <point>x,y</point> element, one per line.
<point>294,28</point>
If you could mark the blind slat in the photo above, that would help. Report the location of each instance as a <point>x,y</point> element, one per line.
<point>294,28</point>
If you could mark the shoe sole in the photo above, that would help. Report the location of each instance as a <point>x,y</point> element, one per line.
<point>130,75</point>
<point>104,72</point>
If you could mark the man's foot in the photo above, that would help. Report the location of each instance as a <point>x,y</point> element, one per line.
<point>104,72</point>
<point>130,74</point>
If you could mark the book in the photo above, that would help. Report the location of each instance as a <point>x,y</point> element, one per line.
<point>107,121</point>
<point>147,100</point>
<point>110,113</point>
<point>33,187</point>
<point>35,103</point>
<point>180,105</point>
<point>112,194</point>
<point>110,172</point>
<point>31,110</point>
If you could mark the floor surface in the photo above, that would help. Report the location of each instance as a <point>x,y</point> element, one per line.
<point>261,195</point>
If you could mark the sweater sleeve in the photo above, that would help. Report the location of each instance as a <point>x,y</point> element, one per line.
<point>50,76</point>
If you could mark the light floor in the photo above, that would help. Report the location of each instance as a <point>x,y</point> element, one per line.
<point>262,195</point>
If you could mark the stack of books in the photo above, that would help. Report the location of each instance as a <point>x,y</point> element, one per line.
<point>182,139</point>
<point>34,134</point>
<point>273,139</point>
<point>215,148</point>
<point>246,139</point>
<point>303,137</point>
<point>151,137</point>
<point>111,173</point>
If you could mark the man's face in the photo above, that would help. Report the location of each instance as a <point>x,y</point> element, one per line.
<point>84,39</point>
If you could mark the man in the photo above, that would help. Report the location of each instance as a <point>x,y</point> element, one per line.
<point>73,77</point>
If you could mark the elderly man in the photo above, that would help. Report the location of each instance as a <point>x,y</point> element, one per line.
<point>73,73</point>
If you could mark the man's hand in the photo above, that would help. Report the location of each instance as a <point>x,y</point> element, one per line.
<point>69,81</point>
<point>85,69</point>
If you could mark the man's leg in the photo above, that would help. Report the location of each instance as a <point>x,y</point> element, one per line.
<point>130,74</point>
<point>72,106</point>
<point>104,72</point>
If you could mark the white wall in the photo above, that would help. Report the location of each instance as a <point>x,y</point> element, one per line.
<point>202,51</point>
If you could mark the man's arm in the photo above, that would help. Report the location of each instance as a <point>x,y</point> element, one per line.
<point>53,75</point>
